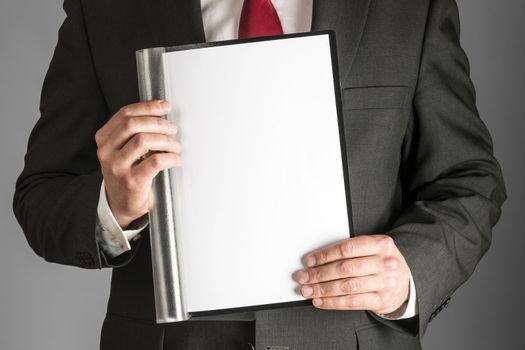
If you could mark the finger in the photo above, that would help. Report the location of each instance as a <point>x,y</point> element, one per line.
<point>355,267</point>
<point>125,128</point>
<point>364,245</point>
<point>151,166</point>
<point>355,285</point>
<point>155,108</point>
<point>365,301</point>
<point>144,143</point>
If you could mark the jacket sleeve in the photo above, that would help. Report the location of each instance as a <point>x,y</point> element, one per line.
<point>57,193</point>
<point>453,184</point>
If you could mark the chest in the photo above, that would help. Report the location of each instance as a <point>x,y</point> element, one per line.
<point>378,48</point>
<point>375,45</point>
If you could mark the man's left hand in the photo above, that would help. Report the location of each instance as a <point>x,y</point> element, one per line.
<point>359,273</point>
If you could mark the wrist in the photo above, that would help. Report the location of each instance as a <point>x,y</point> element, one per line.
<point>129,222</point>
<point>124,219</point>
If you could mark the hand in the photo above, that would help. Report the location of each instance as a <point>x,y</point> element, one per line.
<point>360,273</point>
<point>133,147</point>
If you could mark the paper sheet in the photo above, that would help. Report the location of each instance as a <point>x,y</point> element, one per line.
<point>262,177</point>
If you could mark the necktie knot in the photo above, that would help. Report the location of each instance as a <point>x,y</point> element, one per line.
<point>259,18</point>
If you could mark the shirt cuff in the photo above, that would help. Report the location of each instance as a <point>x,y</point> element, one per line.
<point>409,309</point>
<point>110,236</point>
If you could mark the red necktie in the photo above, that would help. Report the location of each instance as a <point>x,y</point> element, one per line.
<point>259,18</point>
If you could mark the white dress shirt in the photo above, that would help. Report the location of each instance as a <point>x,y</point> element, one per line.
<point>221,22</point>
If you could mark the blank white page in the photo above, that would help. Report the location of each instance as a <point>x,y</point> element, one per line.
<point>262,177</point>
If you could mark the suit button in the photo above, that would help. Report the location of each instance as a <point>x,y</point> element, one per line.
<point>247,346</point>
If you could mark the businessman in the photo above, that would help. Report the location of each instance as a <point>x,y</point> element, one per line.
<point>425,187</point>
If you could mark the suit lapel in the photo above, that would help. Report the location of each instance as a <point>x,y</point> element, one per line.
<point>176,22</point>
<point>347,18</point>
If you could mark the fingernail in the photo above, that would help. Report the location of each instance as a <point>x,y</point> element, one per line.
<point>302,277</point>
<point>317,302</point>
<point>173,127</point>
<point>310,261</point>
<point>307,291</point>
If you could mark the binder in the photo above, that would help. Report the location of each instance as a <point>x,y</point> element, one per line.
<point>264,178</point>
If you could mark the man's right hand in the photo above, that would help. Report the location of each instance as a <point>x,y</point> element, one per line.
<point>133,147</point>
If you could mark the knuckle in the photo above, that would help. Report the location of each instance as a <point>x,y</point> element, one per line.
<point>148,107</point>
<point>320,290</point>
<point>162,123</point>
<point>322,257</point>
<point>386,242</point>
<point>140,141</point>
<point>327,303</point>
<point>98,137</point>
<point>125,111</point>
<point>391,263</point>
<point>152,106</point>
<point>114,170</point>
<point>347,267</point>
<point>350,286</point>
<point>156,161</point>
<point>168,140</point>
<point>337,303</point>
<point>347,248</point>
<point>101,154</point>
<point>158,123</point>
<point>354,302</point>
<point>129,124</point>
<point>334,303</point>
<point>315,275</point>
<point>129,182</point>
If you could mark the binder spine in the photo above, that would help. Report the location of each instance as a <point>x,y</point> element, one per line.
<point>165,254</point>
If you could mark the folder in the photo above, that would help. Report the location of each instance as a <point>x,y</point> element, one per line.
<point>264,176</point>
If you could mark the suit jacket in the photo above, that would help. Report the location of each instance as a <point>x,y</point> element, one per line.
<point>420,162</point>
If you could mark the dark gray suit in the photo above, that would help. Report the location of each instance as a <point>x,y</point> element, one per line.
<point>420,162</point>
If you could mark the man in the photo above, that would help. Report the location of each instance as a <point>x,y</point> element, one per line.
<point>425,187</point>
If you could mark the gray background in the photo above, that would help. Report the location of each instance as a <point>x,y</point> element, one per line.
<point>48,306</point>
